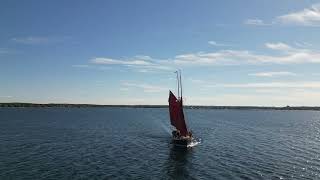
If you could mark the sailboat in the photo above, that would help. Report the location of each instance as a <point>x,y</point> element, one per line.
<point>180,135</point>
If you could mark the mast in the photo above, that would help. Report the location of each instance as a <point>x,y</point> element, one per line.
<point>176,108</point>
<point>180,84</point>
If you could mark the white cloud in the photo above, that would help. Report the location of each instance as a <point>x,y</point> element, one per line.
<point>273,74</point>
<point>121,62</point>
<point>225,57</point>
<point>214,43</point>
<point>278,46</point>
<point>288,55</point>
<point>143,64</point>
<point>285,54</point>
<point>256,22</point>
<point>306,17</point>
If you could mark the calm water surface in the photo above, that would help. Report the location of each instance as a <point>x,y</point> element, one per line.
<point>128,143</point>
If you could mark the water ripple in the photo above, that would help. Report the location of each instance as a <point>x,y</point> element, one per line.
<point>125,143</point>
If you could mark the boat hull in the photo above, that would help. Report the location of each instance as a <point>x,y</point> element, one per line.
<point>182,142</point>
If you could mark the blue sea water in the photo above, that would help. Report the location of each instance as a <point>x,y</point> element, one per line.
<point>135,143</point>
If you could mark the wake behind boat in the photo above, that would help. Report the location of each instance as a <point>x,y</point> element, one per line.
<point>180,136</point>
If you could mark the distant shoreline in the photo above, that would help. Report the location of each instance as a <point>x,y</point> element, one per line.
<point>52,105</point>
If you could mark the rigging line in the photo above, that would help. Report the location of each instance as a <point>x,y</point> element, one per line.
<point>178,82</point>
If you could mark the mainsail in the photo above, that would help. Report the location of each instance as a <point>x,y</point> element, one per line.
<point>176,114</point>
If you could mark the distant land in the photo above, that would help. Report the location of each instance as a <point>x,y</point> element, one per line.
<point>51,105</point>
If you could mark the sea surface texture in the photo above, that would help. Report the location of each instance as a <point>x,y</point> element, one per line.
<point>134,143</point>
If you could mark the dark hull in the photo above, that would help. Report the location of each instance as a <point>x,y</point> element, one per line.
<point>182,142</point>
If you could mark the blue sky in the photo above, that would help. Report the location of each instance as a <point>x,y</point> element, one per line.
<point>125,52</point>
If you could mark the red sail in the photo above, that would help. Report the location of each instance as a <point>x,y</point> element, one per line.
<point>176,114</point>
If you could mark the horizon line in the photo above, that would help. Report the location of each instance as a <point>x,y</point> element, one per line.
<point>89,104</point>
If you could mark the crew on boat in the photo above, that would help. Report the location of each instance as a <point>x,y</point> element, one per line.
<point>176,134</point>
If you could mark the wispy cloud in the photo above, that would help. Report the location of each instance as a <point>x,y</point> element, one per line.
<point>6,96</point>
<point>33,40</point>
<point>143,57</point>
<point>121,62</point>
<point>302,44</point>
<point>256,22</point>
<point>142,64</point>
<point>145,87</point>
<point>221,57</point>
<point>298,84</point>
<point>214,43</point>
<point>278,46</point>
<point>287,55</point>
<point>273,74</point>
<point>306,17</point>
